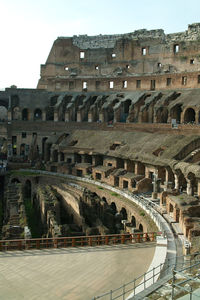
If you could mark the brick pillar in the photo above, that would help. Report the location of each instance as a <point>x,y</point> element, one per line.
<point>182,117</point>
<point>189,187</point>
<point>44,116</point>
<point>176,181</point>
<point>55,116</point>
<point>198,187</point>
<point>197,117</point>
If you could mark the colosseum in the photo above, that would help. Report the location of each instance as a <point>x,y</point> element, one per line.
<point>121,109</point>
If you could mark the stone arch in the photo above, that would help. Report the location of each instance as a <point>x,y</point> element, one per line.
<point>49,113</point>
<point>15,113</point>
<point>162,115</point>
<point>104,200</point>
<point>22,149</point>
<point>43,146</point>
<point>123,212</point>
<point>125,110</point>
<point>15,100</point>
<point>27,189</point>
<point>171,208</point>
<point>192,184</point>
<point>182,182</point>
<point>141,227</point>
<point>25,114</point>
<point>53,100</point>
<point>133,221</point>
<point>62,156</point>
<point>15,180</point>
<point>113,207</point>
<point>37,114</point>
<point>55,155</point>
<point>175,112</point>
<point>189,115</point>
<point>3,113</point>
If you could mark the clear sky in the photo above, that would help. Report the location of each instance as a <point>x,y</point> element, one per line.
<point>28,28</point>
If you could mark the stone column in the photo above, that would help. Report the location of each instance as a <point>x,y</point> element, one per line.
<point>196,117</point>
<point>198,187</point>
<point>55,116</point>
<point>44,116</point>
<point>166,179</point>
<point>176,181</point>
<point>189,187</point>
<point>9,115</point>
<point>182,117</point>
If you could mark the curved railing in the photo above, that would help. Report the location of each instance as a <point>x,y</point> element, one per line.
<point>77,241</point>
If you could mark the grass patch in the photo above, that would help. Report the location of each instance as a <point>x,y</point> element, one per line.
<point>23,173</point>
<point>114,194</point>
<point>100,188</point>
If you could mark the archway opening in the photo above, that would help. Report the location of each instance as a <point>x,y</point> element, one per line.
<point>25,114</point>
<point>133,221</point>
<point>15,180</point>
<point>15,113</point>
<point>123,212</point>
<point>22,149</point>
<point>62,156</point>
<point>171,208</point>
<point>141,228</point>
<point>176,113</point>
<point>113,207</point>
<point>55,156</point>
<point>3,113</point>
<point>189,116</point>
<point>37,114</point>
<point>27,189</point>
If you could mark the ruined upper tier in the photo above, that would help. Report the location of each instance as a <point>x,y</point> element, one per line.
<point>140,60</point>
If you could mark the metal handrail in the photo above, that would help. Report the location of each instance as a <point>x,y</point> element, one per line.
<point>167,266</point>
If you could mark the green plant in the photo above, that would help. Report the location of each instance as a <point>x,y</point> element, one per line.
<point>114,194</point>
<point>100,187</point>
<point>142,214</point>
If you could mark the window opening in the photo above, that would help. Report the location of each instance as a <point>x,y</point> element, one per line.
<point>138,84</point>
<point>153,84</point>
<point>184,80</point>
<point>82,54</point>
<point>111,84</point>
<point>84,85</point>
<point>176,48</point>
<point>113,54</point>
<point>169,81</point>
<point>144,51</point>
<point>125,84</point>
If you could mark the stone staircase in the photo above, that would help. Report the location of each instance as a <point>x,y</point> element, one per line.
<point>14,228</point>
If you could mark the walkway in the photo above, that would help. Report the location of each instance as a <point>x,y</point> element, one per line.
<point>71,273</point>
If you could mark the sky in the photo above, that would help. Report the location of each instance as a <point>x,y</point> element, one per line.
<point>28,28</point>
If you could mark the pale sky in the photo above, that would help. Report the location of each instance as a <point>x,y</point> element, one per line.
<point>28,28</point>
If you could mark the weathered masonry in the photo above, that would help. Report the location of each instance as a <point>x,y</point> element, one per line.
<point>121,109</point>
<point>140,60</point>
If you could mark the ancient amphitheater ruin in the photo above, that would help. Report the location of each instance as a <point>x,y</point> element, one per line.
<point>123,110</point>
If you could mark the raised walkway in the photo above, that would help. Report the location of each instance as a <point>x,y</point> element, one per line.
<point>71,273</point>
<point>162,225</point>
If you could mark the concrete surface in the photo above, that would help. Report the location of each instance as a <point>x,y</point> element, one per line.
<point>71,273</point>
